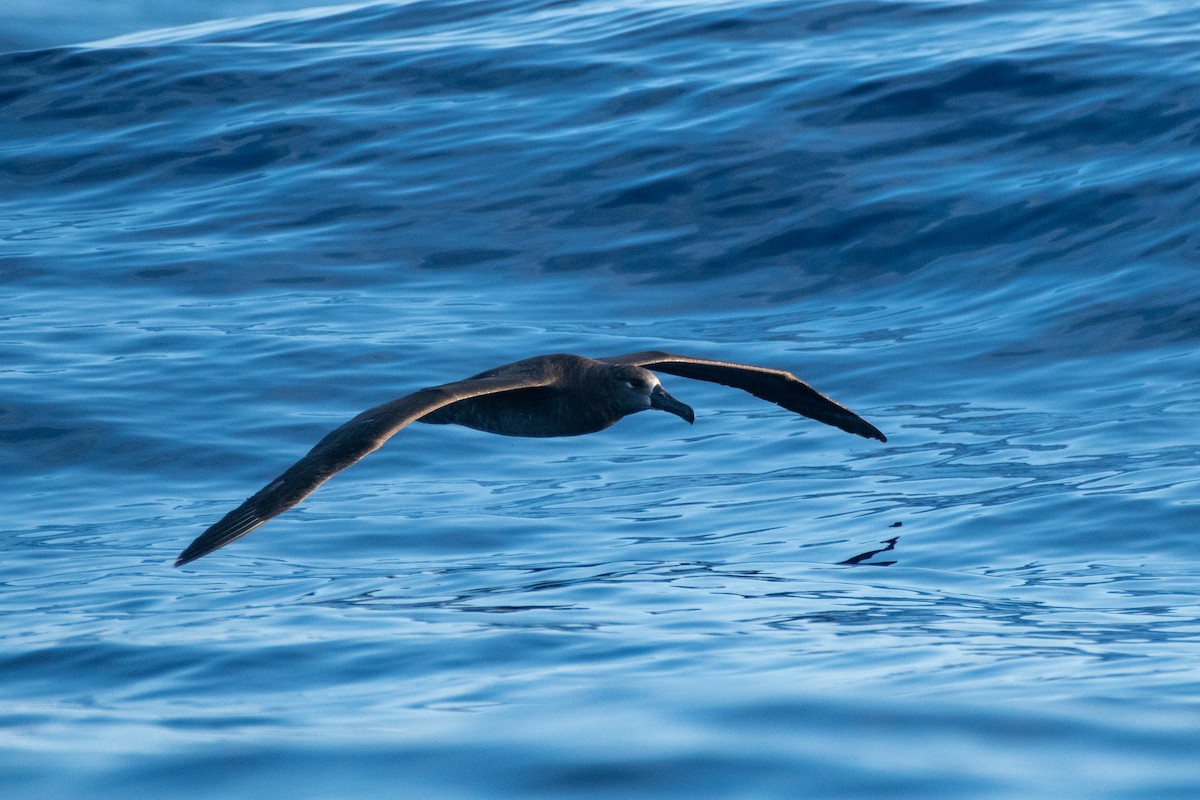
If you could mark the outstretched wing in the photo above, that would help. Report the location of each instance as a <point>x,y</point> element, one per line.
<point>773,385</point>
<point>341,448</point>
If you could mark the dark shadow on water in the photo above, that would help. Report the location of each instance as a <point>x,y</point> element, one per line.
<point>861,558</point>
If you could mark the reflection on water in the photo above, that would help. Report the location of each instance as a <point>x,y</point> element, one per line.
<point>972,224</point>
<point>865,558</point>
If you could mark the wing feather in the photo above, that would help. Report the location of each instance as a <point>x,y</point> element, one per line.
<point>341,448</point>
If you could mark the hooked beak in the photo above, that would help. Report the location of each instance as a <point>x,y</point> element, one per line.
<point>664,402</point>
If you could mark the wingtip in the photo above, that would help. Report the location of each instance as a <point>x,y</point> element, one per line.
<point>872,432</point>
<point>195,550</point>
<point>853,423</point>
<point>860,427</point>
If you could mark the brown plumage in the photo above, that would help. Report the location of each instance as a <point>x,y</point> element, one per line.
<point>552,395</point>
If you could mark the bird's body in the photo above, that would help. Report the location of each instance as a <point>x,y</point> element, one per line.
<point>545,396</point>
<point>564,403</point>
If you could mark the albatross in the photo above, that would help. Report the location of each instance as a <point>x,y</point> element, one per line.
<point>552,395</point>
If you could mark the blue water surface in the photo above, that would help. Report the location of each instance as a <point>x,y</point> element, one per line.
<point>975,223</point>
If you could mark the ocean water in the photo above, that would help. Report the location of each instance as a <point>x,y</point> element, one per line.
<point>975,223</point>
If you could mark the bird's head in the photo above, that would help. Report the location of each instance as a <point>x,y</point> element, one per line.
<point>638,390</point>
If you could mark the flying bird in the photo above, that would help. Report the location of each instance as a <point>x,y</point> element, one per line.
<point>551,395</point>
